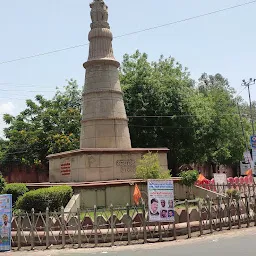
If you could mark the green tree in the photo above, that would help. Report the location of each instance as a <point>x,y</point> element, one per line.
<point>16,190</point>
<point>44,127</point>
<point>3,146</point>
<point>199,123</point>
<point>224,141</point>
<point>159,89</point>
<point>149,168</point>
<point>188,178</point>
<point>2,183</point>
<point>246,113</point>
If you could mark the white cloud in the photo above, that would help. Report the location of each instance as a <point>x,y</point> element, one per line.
<point>5,108</point>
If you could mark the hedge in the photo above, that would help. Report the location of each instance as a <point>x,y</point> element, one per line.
<point>16,189</point>
<point>40,199</point>
<point>2,183</point>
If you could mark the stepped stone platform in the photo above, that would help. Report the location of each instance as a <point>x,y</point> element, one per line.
<point>99,164</point>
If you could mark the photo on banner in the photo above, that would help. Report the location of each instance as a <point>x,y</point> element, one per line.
<point>161,200</point>
<point>5,222</point>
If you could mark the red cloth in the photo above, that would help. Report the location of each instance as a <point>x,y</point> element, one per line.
<point>201,178</point>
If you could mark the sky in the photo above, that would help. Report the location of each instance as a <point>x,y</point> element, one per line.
<point>221,43</point>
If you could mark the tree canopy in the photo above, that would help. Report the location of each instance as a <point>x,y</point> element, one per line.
<point>44,127</point>
<point>197,120</point>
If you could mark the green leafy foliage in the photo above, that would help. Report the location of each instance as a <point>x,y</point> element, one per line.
<point>188,178</point>
<point>233,193</point>
<point>2,183</point>
<point>16,190</point>
<point>224,137</point>
<point>149,168</point>
<point>43,128</point>
<point>200,124</point>
<point>40,199</point>
<point>197,120</point>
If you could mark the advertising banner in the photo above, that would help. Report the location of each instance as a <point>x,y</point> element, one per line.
<point>5,222</point>
<point>247,157</point>
<point>253,141</point>
<point>254,159</point>
<point>161,200</point>
<point>253,145</point>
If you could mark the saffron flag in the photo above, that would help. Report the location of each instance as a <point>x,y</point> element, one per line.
<point>201,178</point>
<point>249,172</point>
<point>136,194</point>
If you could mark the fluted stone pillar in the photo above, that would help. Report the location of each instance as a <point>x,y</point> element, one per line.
<point>104,121</point>
<point>105,147</point>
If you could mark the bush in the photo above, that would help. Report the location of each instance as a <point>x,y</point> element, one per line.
<point>233,193</point>
<point>40,199</point>
<point>16,189</point>
<point>2,183</point>
<point>188,178</point>
<point>149,168</point>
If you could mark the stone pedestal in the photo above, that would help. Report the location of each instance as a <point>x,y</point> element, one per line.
<point>99,164</point>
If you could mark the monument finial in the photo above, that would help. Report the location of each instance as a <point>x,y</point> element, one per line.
<point>99,14</point>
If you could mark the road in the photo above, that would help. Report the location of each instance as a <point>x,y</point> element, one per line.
<point>235,243</point>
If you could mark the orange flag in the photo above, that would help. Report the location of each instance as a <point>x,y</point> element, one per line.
<point>136,194</point>
<point>201,178</point>
<point>249,172</point>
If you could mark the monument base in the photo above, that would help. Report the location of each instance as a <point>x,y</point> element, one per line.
<point>99,164</point>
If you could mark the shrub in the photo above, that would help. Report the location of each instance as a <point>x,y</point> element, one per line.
<point>16,189</point>
<point>149,168</point>
<point>40,199</point>
<point>2,183</point>
<point>233,193</point>
<point>188,178</point>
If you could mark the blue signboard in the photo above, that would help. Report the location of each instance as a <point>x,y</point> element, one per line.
<point>253,141</point>
<point>5,222</point>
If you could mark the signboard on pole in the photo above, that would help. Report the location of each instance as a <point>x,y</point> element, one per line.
<point>5,222</point>
<point>253,141</point>
<point>161,200</point>
<point>254,160</point>
<point>253,145</point>
<point>220,179</point>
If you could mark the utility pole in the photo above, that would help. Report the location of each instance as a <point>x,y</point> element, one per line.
<point>242,126</point>
<point>248,84</point>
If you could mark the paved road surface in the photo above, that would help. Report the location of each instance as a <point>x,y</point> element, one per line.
<point>235,243</point>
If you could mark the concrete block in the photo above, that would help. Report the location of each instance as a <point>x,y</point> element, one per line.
<point>106,142</point>
<point>105,130</point>
<point>194,215</point>
<point>106,173</point>
<point>106,160</point>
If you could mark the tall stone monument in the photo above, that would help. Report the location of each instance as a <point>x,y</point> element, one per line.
<point>105,147</point>
<point>104,124</point>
